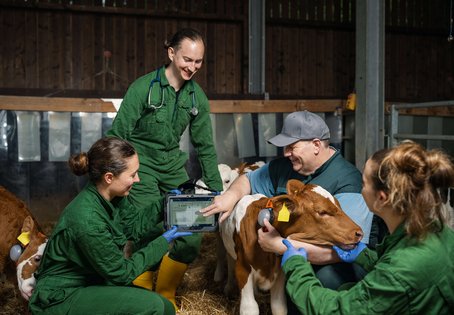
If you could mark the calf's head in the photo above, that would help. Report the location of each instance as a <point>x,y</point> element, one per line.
<point>315,216</point>
<point>28,262</point>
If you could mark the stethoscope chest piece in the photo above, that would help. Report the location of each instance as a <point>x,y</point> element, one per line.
<point>194,111</point>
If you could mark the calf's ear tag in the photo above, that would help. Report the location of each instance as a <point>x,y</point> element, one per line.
<point>24,238</point>
<point>269,204</point>
<point>284,214</point>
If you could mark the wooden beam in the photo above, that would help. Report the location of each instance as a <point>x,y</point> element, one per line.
<point>56,104</point>
<point>274,106</point>
<point>68,104</point>
<point>439,111</point>
<point>73,104</point>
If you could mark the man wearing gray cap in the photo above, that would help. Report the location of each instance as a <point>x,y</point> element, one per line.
<point>308,158</point>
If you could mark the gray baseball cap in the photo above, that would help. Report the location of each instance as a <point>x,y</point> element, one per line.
<point>301,126</point>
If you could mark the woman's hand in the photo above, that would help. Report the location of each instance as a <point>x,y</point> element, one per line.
<point>173,233</point>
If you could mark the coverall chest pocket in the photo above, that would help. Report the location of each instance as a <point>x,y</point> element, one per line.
<point>182,118</point>
<point>152,124</point>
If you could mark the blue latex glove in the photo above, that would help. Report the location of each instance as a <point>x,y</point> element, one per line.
<point>172,234</point>
<point>292,251</point>
<point>349,256</point>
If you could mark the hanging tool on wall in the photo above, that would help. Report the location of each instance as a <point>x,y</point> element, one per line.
<point>107,54</point>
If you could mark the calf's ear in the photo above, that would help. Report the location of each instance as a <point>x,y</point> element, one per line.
<point>294,187</point>
<point>28,225</point>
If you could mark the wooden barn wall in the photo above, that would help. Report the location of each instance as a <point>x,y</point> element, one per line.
<point>60,49</point>
<point>57,47</point>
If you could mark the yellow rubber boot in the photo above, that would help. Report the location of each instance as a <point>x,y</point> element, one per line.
<point>170,275</point>
<point>145,280</point>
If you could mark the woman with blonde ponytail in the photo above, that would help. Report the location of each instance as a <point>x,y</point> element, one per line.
<point>412,270</point>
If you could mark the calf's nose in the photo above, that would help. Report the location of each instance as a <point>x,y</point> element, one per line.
<point>359,235</point>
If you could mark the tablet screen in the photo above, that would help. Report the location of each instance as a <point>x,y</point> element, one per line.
<point>183,211</point>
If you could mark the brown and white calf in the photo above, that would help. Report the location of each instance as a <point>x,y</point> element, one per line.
<point>315,216</point>
<point>228,175</point>
<point>16,220</point>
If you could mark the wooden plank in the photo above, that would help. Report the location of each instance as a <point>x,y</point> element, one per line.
<point>439,111</point>
<point>273,106</point>
<point>64,104</point>
<point>100,52</point>
<point>76,52</point>
<point>44,44</point>
<point>231,61</point>
<point>303,62</point>
<point>67,104</point>
<point>59,104</point>
<point>269,43</point>
<point>56,51</point>
<point>18,47</point>
<point>123,35</point>
<point>221,65</point>
<point>287,66</point>
<point>88,52</point>
<point>68,44</point>
<point>131,52</point>
<point>140,53</point>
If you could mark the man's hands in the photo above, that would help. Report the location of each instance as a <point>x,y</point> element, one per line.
<point>350,256</point>
<point>270,240</point>
<point>292,251</point>
<point>222,204</point>
<point>172,234</point>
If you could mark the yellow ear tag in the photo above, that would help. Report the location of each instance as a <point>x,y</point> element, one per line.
<point>24,238</point>
<point>284,214</point>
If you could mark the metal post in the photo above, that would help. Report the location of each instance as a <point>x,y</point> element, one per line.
<point>369,82</point>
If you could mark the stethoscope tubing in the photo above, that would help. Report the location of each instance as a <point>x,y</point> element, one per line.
<point>157,79</point>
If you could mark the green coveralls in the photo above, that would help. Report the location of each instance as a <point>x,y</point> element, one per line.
<point>83,270</point>
<point>405,278</point>
<point>155,131</point>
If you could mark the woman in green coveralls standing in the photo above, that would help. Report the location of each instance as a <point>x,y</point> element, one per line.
<point>154,113</point>
<point>83,269</point>
<point>412,271</point>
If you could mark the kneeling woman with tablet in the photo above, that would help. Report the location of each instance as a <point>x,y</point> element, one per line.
<point>83,269</point>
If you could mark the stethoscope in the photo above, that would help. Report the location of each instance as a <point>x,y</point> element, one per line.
<point>157,79</point>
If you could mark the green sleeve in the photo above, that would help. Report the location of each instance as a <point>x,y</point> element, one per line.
<point>129,113</point>
<point>98,248</point>
<point>139,226</point>
<point>202,139</point>
<point>380,292</point>
<point>367,259</point>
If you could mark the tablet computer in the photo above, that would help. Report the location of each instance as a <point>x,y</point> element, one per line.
<point>183,211</point>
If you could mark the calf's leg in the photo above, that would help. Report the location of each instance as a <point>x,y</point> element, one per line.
<point>277,294</point>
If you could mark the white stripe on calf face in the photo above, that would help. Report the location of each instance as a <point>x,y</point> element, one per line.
<point>320,190</point>
<point>26,286</point>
